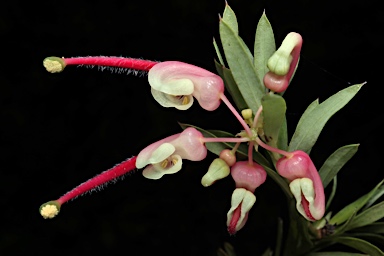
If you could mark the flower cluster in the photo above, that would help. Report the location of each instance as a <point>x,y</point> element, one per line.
<point>177,84</point>
<point>259,150</point>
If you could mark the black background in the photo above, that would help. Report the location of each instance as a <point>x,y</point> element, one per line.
<point>58,130</point>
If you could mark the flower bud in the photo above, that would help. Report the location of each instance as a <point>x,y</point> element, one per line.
<point>218,169</point>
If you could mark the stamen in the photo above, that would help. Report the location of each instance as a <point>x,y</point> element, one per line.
<point>185,100</point>
<point>164,164</point>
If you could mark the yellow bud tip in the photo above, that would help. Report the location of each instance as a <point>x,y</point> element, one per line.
<point>50,210</point>
<point>54,64</point>
<point>246,113</point>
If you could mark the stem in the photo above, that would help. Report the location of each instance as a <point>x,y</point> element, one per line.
<point>235,140</point>
<point>234,149</point>
<point>257,115</point>
<point>108,175</point>
<point>276,150</point>
<point>112,61</point>
<point>250,152</point>
<point>237,115</point>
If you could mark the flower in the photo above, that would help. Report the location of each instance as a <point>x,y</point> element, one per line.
<point>282,64</point>
<point>241,203</point>
<point>248,176</point>
<point>173,84</point>
<point>306,185</point>
<point>165,156</point>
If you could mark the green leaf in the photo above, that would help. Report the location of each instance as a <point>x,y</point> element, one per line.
<point>340,229</point>
<point>335,162</point>
<point>240,62</point>
<point>377,227</point>
<point>376,239</point>
<point>274,108</point>
<point>218,52</point>
<point>335,254</point>
<point>264,47</point>
<point>379,192</point>
<point>313,121</point>
<point>360,245</point>
<point>368,216</point>
<point>353,207</point>
<point>282,142</point>
<point>229,17</point>
<point>333,193</point>
<point>231,86</point>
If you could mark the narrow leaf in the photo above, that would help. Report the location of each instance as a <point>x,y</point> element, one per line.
<point>240,62</point>
<point>229,17</point>
<point>377,227</point>
<point>218,52</point>
<point>335,254</point>
<point>379,192</point>
<point>368,216</point>
<point>335,162</point>
<point>311,124</point>
<point>231,86</point>
<point>333,193</point>
<point>360,245</point>
<point>353,207</point>
<point>264,47</point>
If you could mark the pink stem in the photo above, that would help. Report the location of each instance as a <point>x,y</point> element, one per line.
<point>257,115</point>
<point>120,62</point>
<point>235,140</point>
<point>237,115</point>
<point>276,150</point>
<point>108,175</point>
<point>250,153</point>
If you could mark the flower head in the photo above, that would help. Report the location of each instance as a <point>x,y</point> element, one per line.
<point>306,185</point>
<point>173,84</point>
<point>165,156</point>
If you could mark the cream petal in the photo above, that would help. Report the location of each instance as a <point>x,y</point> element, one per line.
<point>161,153</point>
<point>247,200</point>
<point>156,171</point>
<point>169,77</point>
<point>167,100</point>
<point>296,191</point>
<point>145,154</point>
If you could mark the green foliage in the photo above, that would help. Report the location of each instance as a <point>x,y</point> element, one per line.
<point>316,116</point>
